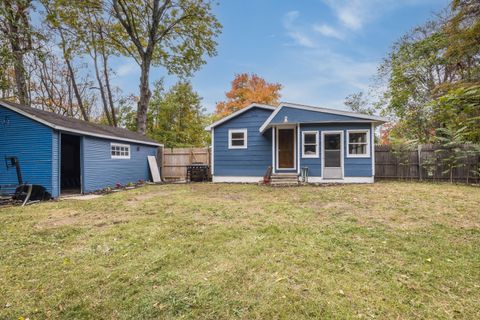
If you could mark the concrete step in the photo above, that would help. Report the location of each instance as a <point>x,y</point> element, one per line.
<point>284,184</point>
<point>284,177</point>
<point>284,180</point>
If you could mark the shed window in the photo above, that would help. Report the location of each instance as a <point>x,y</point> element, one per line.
<point>237,139</point>
<point>120,151</point>
<point>358,143</point>
<point>310,144</point>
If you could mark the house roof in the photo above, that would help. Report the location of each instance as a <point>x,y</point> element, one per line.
<point>62,123</point>
<point>360,116</point>
<point>236,113</point>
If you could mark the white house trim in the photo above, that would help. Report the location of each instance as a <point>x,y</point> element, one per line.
<point>342,152</point>
<point>317,151</point>
<point>273,149</point>
<point>212,153</point>
<point>344,180</point>
<point>294,146</point>
<point>368,138</point>
<point>298,149</point>
<point>372,146</point>
<point>322,110</point>
<point>236,113</point>
<point>234,179</point>
<point>245,138</point>
<point>86,133</point>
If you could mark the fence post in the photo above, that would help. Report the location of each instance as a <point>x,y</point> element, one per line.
<point>419,155</point>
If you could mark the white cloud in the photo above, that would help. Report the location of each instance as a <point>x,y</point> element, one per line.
<point>301,39</point>
<point>328,31</point>
<point>330,77</point>
<point>354,14</point>
<point>295,32</point>
<point>127,68</point>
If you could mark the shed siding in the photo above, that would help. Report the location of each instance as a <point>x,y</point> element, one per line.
<point>250,162</point>
<point>296,115</point>
<point>354,167</point>
<point>101,171</point>
<point>55,164</point>
<point>31,142</point>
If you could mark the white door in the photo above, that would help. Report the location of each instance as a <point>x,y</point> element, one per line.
<point>332,155</point>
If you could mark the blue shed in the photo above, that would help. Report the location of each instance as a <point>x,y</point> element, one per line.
<point>67,155</point>
<point>334,145</point>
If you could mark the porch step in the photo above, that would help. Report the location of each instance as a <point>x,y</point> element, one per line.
<point>284,179</point>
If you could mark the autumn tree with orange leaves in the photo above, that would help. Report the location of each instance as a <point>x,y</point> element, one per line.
<point>247,89</point>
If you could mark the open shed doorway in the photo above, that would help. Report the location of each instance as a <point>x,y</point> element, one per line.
<point>70,171</point>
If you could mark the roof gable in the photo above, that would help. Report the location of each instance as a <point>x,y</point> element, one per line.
<point>296,113</point>
<point>237,113</point>
<point>62,123</point>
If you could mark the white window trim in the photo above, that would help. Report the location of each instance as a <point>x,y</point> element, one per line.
<point>367,133</point>
<point>120,145</point>
<point>316,155</point>
<point>245,138</point>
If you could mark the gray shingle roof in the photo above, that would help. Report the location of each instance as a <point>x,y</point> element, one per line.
<point>63,123</point>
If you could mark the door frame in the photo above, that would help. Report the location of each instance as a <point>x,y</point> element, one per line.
<point>277,128</point>
<point>342,151</point>
<point>59,179</point>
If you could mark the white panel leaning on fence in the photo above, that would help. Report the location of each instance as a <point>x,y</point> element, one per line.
<point>152,162</point>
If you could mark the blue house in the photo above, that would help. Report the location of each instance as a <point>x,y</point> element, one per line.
<point>336,146</point>
<point>67,155</point>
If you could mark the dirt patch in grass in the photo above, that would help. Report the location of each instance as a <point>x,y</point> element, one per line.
<point>80,220</point>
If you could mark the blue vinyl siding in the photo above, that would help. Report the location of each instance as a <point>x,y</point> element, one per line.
<point>55,164</point>
<point>101,171</point>
<point>295,115</point>
<point>250,162</point>
<point>31,142</point>
<point>354,167</point>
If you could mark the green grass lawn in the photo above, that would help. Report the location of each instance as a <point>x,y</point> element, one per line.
<point>387,250</point>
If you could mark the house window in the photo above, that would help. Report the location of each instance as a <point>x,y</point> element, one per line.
<point>358,142</point>
<point>120,151</point>
<point>310,144</point>
<point>237,139</point>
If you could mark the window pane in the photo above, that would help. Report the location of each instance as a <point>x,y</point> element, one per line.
<point>310,149</point>
<point>310,138</point>
<point>358,148</point>
<point>237,135</point>
<point>358,137</point>
<point>332,142</point>
<point>237,142</point>
<point>332,159</point>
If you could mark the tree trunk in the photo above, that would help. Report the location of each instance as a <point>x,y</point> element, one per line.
<point>145,95</point>
<point>20,80</point>
<point>107,78</point>
<point>18,65</point>
<point>76,91</point>
<point>99,80</point>
<point>109,90</point>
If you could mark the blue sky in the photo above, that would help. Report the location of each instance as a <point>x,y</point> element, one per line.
<point>319,50</point>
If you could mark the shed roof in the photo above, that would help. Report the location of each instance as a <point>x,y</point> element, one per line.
<point>73,125</point>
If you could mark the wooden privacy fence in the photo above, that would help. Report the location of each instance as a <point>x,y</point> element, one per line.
<point>427,162</point>
<point>176,160</point>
